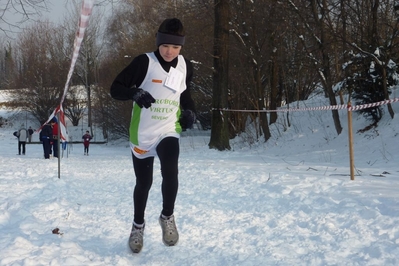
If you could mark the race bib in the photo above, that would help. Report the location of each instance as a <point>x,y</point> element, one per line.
<point>174,79</point>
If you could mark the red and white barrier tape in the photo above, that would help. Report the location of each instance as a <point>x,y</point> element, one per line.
<point>331,107</point>
<point>365,106</point>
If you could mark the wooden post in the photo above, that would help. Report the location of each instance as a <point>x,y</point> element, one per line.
<point>350,134</point>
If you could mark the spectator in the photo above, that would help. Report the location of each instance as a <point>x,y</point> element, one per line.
<point>22,135</point>
<point>86,141</point>
<point>30,131</point>
<point>45,137</point>
<point>54,137</point>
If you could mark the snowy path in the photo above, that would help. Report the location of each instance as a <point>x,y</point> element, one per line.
<point>233,208</point>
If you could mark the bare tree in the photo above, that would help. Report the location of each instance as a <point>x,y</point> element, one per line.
<point>75,105</point>
<point>257,31</point>
<point>314,31</point>
<point>40,71</point>
<point>89,59</point>
<point>13,13</point>
<point>7,65</point>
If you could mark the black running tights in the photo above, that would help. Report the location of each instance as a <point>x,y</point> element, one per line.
<point>168,154</point>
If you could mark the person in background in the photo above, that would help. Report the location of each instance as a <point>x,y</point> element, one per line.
<point>54,137</point>
<point>22,137</point>
<point>30,133</point>
<point>159,85</point>
<point>45,137</point>
<point>86,142</point>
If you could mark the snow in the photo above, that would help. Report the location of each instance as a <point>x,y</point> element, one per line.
<point>289,201</point>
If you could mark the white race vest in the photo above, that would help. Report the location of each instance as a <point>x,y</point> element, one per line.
<point>149,126</point>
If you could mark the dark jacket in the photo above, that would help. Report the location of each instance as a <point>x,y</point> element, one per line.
<point>86,138</point>
<point>133,75</point>
<point>46,132</point>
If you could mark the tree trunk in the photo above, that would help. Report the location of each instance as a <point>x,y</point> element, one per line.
<point>327,77</point>
<point>386,94</point>
<point>262,97</point>
<point>220,131</point>
<point>273,91</point>
<point>330,92</point>
<point>89,117</point>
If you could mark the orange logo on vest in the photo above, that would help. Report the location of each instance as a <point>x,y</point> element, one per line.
<point>139,151</point>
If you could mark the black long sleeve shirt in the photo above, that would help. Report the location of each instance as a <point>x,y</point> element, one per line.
<point>133,75</point>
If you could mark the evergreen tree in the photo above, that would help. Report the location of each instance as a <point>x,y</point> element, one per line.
<point>366,80</point>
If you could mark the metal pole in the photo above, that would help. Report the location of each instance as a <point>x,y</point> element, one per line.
<point>350,134</point>
<point>58,145</point>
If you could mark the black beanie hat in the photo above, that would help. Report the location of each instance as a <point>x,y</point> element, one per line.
<point>171,31</point>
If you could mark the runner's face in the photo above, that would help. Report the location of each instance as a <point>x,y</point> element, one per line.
<point>169,51</point>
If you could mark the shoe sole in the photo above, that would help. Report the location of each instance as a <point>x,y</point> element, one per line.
<point>169,244</point>
<point>134,250</point>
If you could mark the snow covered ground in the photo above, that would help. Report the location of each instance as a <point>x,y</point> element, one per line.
<point>289,201</point>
